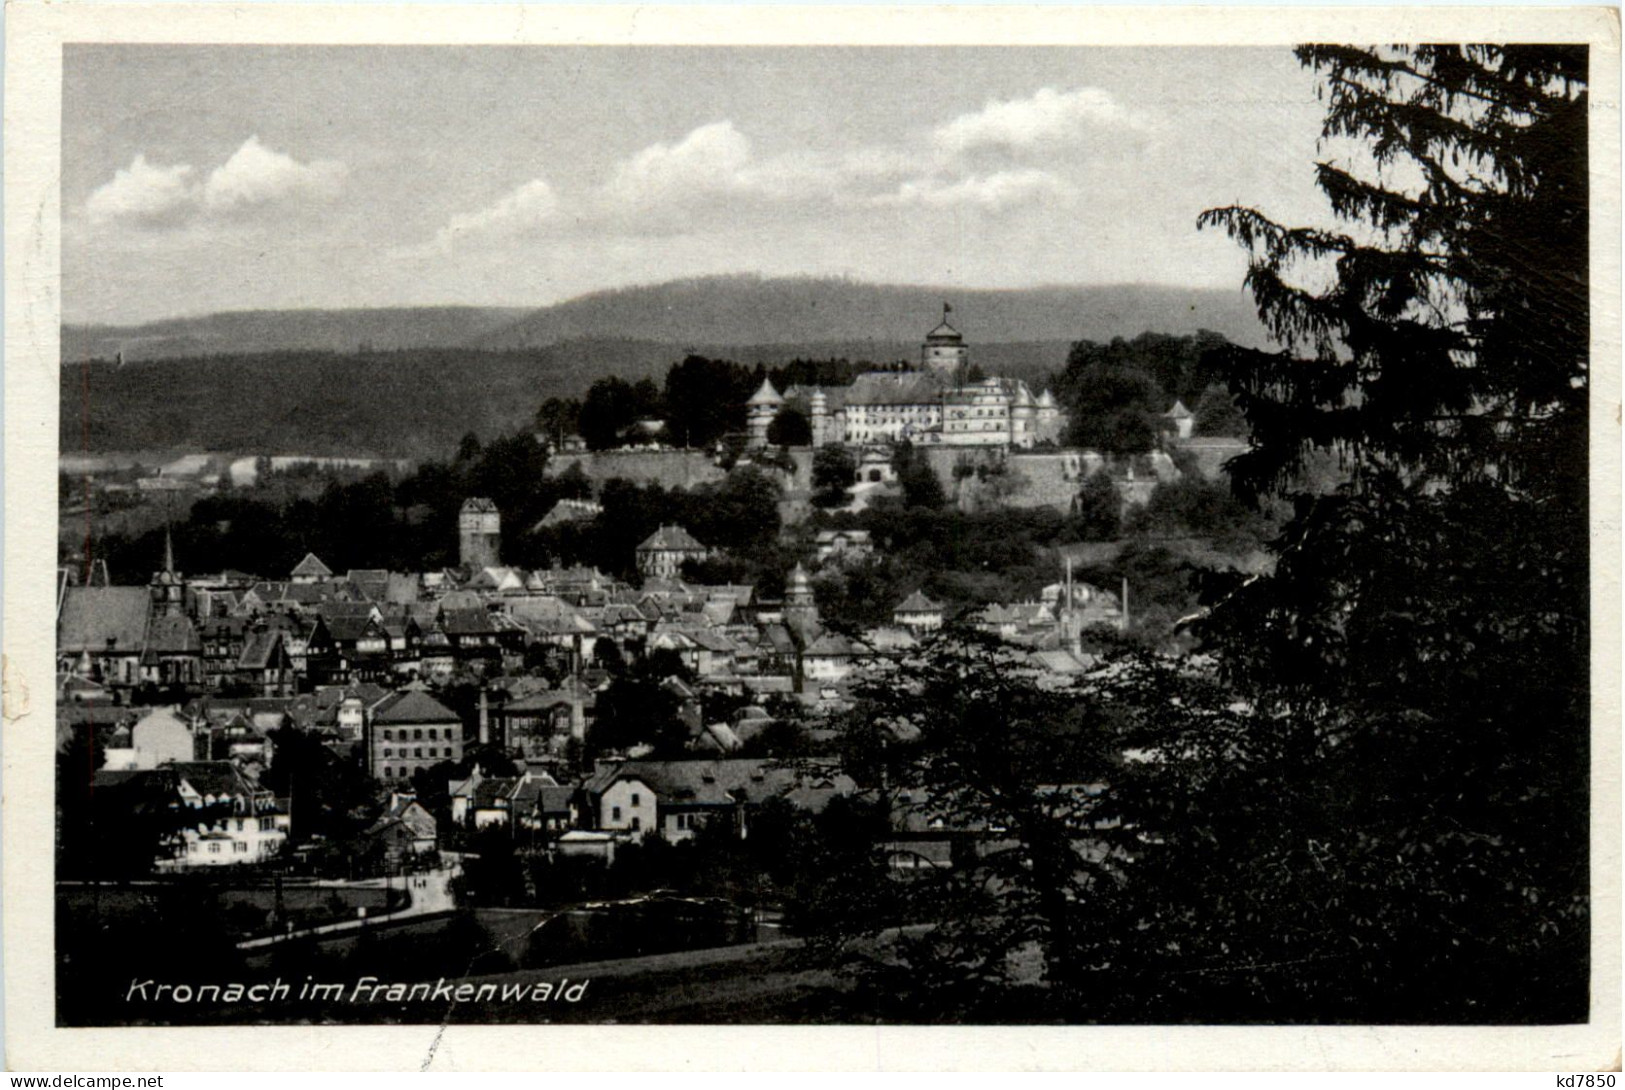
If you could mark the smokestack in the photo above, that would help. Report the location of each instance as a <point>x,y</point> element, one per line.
<point>485,719</point>
<point>1125,601</point>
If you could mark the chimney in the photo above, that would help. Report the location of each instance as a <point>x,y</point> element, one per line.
<point>485,719</point>
<point>1125,601</point>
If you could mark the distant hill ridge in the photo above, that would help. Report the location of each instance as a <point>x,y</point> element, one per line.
<point>721,314</point>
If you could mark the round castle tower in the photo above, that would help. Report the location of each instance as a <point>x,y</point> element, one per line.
<point>944,350</point>
<point>760,410</point>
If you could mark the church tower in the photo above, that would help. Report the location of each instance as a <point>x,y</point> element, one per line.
<point>167,589</point>
<point>479,534</point>
<point>944,352</point>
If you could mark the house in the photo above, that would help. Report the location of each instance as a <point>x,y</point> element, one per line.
<point>348,709</point>
<point>541,725</point>
<point>829,657</point>
<point>842,546</point>
<point>411,730</point>
<point>674,799</point>
<point>666,550</point>
<point>918,613</point>
<point>161,736</point>
<point>511,802</point>
<point>224,819</point>
<point>310,570</point>
<point>223,639</point>
<point>265,665</point>
<point>405,831</point>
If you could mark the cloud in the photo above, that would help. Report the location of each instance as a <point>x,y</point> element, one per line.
<point>713,174</point>
<point>254,178</point>
<point>999,192</point>
<point>1046,117</point>
<point>711,160</point>
<point>531,208</point>
<point>144,194</point>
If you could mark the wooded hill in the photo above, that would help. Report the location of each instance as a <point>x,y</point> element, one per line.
<point>410,382</point>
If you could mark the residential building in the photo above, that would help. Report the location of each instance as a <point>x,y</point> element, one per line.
<point>411,730</point>
<point>666,550</point>
<point>479,534</point>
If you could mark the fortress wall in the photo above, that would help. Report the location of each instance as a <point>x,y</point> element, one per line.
<point>1211,453</point>
<point>667,468</point>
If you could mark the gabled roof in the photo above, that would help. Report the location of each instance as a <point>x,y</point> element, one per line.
<point>91,616</point>
<point>1179,412</point>
<point>174,634</point>
<point>214,779</point>
<point>671,537</point>
<point>918,603</point>
<point>944,332</point>
<point>727,782</point>
<point>832,645</point>
<point>467,622</point>
<point>312,567</point>
<point>259,651</point>
<point>480,504</point>
<point>412,707</point>
<point>895,388</point>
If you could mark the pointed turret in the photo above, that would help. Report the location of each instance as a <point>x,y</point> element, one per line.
<point>760,410</point>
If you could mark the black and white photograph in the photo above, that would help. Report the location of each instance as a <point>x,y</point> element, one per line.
<point>1041,535</point>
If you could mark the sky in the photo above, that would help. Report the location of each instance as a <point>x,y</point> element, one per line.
<point>206,178</point>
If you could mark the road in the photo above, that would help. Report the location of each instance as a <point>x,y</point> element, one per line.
<point>429,893</point>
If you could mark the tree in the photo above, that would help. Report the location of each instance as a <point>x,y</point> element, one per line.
<point>790,428</point>
<point>705,398</point>
<point>1099,507</point>
<point>966,736</point>
<point>833,471</point>
<point>1117,393</point>
<point>1217,413</point>
<point>558,418</point>
<point>1367,800</point>
<point>921,486</point>
<point>1422,643</point>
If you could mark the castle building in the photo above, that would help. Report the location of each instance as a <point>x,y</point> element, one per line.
<point>933,405</point>
<point>479,534</point>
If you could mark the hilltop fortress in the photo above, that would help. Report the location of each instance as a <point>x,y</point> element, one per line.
<point>937,404</point>
<point>990,440</point>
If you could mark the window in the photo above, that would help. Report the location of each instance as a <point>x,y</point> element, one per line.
<point>417,736</point>
<point>636,799</point>
<point>615,813</point>
<point>214,849</point>
<point>431,734</point>
<point>637,823</point>
<point>389,753</point>
<point>239,847</point>
<point>388,772</point>
<point>417,752</point>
